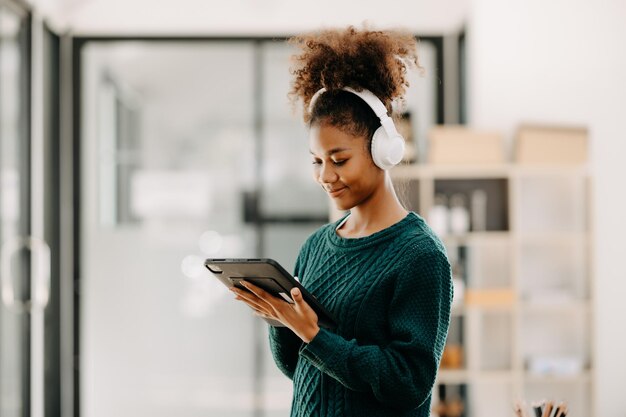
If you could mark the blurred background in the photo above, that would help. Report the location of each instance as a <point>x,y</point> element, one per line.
<point>138,138</point>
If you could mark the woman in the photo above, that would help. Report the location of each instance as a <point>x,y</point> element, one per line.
<point>380,270</point>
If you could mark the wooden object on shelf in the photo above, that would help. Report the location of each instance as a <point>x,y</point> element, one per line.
<point>452,357</point>
<point>550,145</point>
<point>489,298</point>
<point>461,145</point>
<point>450,408</point>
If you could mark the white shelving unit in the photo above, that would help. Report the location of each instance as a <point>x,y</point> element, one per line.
<point>541,252</point>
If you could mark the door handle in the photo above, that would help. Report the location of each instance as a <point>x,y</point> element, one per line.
<point>40,272</point>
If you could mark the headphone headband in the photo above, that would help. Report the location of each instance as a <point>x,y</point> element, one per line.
<point>367,96</point>
<point>372,100</point>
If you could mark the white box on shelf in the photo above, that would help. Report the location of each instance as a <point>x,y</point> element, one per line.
<point>556,365</point>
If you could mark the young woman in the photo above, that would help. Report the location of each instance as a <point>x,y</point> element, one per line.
<point>380,269</point>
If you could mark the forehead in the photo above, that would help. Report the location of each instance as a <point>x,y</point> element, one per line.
<point>326,139</point>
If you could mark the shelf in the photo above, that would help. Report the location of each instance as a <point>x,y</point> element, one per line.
<point>492,376</point>
<point>452,376</point>
<point>451,171</point>
<point>461,376</point>
<point>531,272</point>
<point>538,170</point>
<point>553,238</point>
<point>477,238</point>
<point>558,306</point>
<point>501,308</point>
<point>584,376</point>
<point>487,171</point>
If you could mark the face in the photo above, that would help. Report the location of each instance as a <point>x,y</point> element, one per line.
<point>343,166</point>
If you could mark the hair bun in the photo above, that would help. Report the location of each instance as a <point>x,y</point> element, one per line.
<point>360,59</point>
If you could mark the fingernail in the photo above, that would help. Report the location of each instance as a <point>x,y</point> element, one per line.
<point>296,291</point>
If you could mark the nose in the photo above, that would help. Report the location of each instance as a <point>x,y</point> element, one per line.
<point>327,174</point>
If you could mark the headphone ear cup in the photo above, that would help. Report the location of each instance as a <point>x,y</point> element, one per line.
<point>387,152</point>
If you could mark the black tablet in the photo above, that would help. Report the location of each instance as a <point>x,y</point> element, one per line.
<point>269,275</point>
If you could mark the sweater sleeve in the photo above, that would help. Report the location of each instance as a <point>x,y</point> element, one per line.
<point>402,373</point>
<point>284,343</point>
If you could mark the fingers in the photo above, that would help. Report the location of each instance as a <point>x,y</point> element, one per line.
<point>302,307</point>
<point>248,299</point>
<point>261,294</point>
<point>296,295</point>
<point>257,309</point>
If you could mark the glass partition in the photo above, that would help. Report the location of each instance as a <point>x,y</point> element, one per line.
<point>167,150</point>
<point>14,212</point>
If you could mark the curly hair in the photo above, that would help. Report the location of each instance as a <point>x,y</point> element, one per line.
<point>360,59</point>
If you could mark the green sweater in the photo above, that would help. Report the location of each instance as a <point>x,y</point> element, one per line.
<point>390,293</point>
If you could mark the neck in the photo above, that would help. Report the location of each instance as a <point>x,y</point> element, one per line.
<point>380,210</point>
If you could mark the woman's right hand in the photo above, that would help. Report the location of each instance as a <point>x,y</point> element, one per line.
<point>299,317</point>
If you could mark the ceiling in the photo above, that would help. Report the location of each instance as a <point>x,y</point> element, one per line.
<point>250,17</point>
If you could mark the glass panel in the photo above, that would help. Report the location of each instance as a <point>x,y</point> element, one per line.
<point>167,151</point>
<point>288,184</point>
<point>288,190</point>
<point>281,242</point>
<point>14,212</point>
<point>421,98</point>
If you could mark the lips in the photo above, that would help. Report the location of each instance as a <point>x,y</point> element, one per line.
<point>336,192</point>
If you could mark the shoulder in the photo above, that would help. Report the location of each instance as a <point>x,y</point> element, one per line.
<point>422,251</point>
<point>421,242</point>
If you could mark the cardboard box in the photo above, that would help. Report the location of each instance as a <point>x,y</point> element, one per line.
<point>453,145</point>
<point>489,298</point>
<point>548,145</point>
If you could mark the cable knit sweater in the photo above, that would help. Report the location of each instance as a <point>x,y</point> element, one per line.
<point>390,293</point>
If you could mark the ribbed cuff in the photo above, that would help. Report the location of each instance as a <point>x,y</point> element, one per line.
<point>320,349</point>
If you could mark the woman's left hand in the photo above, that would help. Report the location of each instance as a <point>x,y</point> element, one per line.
<point>299,317</point>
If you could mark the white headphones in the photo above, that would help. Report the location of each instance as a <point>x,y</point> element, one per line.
<point>387,144</point>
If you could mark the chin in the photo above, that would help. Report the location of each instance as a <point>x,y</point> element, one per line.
<point>341,205</point>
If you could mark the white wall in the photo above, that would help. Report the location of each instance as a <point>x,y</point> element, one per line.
<point>565,62</point>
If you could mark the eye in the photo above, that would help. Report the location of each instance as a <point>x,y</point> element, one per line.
<point>339,163</point>
<point>316,162</point>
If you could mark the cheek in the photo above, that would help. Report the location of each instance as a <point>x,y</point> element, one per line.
<point>363,180</point>
<point>315,173</point>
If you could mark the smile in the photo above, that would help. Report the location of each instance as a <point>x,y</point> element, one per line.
<point>336,192</point>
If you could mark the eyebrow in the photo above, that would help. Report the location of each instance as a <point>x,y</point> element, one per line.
<point>332,151</point>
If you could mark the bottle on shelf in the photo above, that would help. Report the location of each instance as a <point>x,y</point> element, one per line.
<point>479,210</point>
<point>459,214</point>
<point>439,215</point>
